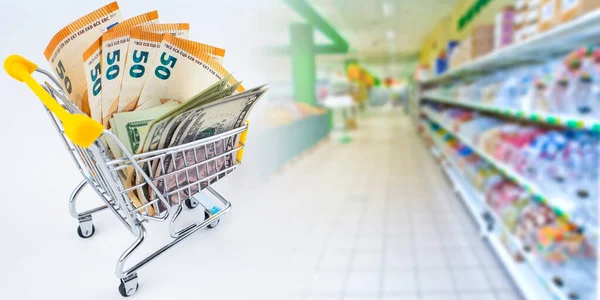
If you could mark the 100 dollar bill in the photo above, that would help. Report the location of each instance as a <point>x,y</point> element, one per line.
<point>130,127</point>
<point>201,122</point>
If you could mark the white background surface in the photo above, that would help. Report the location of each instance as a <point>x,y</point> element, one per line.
<point>41,256</point>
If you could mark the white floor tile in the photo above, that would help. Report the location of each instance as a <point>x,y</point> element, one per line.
<point>431,259</point>
<point>361,297</point>
<point>396,260</point>
<point>367,261</point>
<point>398,243</point>
<point>463,258</point>
<point>471,280</point>
<point>457,241</point>
<point>335,260</point>
<point>322,298</point>
<point>397,228</point>
<point>438,296</point>
<point>400,282</point>
<point>435,281</point>
<point>427,241</point>
<point>328,282</point>
<point>340,244</point>
<point>370,243</point>
<point>487,258</point>
<point>499,280</point>
<point>400,297</point>
<point>506,295</point>
<point>478,296</point>
<point>363,282</point>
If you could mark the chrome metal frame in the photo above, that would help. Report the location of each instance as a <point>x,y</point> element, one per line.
<point>152,177</point>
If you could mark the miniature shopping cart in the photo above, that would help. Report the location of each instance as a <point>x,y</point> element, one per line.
<point>136,188</point>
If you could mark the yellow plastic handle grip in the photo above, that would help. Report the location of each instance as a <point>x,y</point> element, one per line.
<point>240,152</point>
<point>81,129</point>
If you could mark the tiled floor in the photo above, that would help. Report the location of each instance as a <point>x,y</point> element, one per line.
<point>397,231</point>
<point>372,219</point>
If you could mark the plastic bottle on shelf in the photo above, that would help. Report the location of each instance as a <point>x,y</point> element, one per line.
<point>525,89</point>
<point>539,91</point>
<point>508,93</point>
<point>581,156</point>
<point>557,95</point>
<point>548,148</point>
<point>582,95</point>
<point>560,88</point>
<point>584,91</point>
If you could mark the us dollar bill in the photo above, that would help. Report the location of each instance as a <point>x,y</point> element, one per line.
<point>159,124</point>
<point>181,180</point>
<point>131,126</point>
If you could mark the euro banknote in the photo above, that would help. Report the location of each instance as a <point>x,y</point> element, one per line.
<point>91,63</point>
<point>144,43</point>
<point>115,44</point>
<point>65,49</point>
<point>180,70</point>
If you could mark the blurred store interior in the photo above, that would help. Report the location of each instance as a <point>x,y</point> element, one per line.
<point>431,149</point>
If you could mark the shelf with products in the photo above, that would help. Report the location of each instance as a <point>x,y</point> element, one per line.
<point>563,204</point>
<point>533,285</point>
<point>559,39</point>
<point>569,121</point>
<point>563,91</point>
<point>541,277</point>
<point>475,207</point>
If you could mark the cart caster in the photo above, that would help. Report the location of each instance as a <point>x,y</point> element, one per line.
<point>128,287</point>
<point>191,203</point>
<point>86,228</point>
<point>86,233</point>
<point>214,223</point>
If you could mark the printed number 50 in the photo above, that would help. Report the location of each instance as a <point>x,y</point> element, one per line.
<point>60,71</point>
<point>138,70</point>
<point>163,72</point>
<point>113,70</point>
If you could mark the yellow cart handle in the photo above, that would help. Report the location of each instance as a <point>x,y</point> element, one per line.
<point>81,129</point>
<point>240,152</point>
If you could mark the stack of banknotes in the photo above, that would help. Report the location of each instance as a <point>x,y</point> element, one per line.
<point>146,82</point>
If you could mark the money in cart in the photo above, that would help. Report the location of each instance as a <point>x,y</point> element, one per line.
<point>142,187</point>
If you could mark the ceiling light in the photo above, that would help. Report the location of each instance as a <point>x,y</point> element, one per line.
<point>388,8</point>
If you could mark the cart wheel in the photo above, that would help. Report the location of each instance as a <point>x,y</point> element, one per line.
<point>189,203</point>
<point>85,233</point>
<point>214,224</point>
<point>126,293</point>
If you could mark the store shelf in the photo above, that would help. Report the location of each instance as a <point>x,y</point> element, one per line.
<point>529,278</point>
<point>560,39</point>
<point>476,208</point>
<point>562,207</point>
<point>573,122</point>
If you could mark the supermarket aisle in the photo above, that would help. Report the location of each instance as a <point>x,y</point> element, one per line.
<point>395,230</point>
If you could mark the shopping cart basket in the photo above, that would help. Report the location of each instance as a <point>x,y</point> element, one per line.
<point>150,186</point>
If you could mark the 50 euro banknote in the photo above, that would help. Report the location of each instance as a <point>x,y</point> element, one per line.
<point>115,44</point>
<point>144,43</point>
<point>93,67</point>
<point>65,49</point>
<point>180,70</point>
